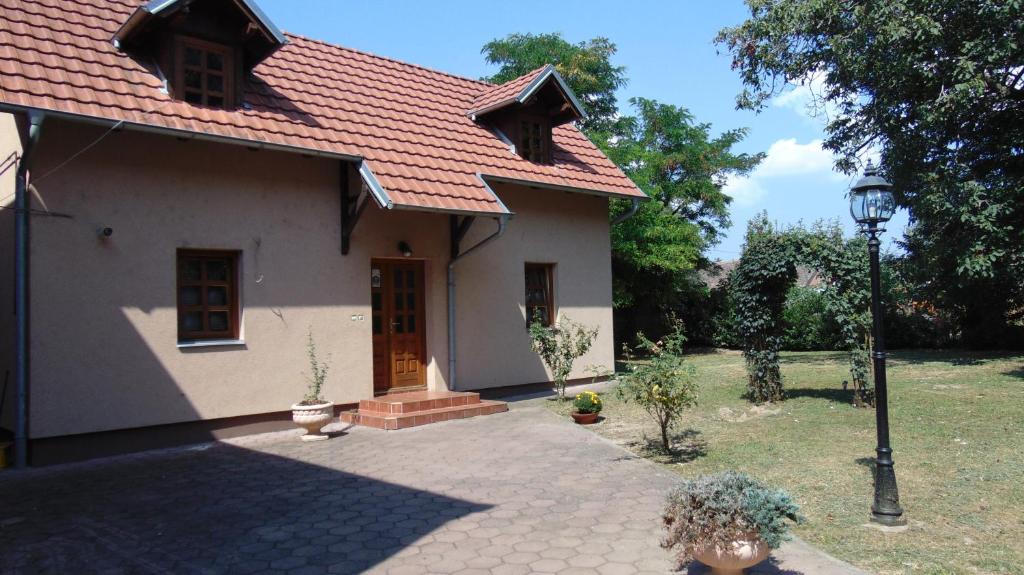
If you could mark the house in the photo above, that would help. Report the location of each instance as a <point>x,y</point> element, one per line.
<point>189,191</point>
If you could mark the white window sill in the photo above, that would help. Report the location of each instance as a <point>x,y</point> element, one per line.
<point>190,344</point>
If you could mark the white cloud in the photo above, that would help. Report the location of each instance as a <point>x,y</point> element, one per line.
<point>805,98</point>
<point>745,192</point>
<point>785,158</point>
<point>788,158</point>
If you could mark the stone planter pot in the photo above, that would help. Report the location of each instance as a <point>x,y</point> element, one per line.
<point>312,418</point>
<point>733,558</point>
<point>584,418</point>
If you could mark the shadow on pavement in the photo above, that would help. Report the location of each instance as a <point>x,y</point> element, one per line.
<point>218,509</point>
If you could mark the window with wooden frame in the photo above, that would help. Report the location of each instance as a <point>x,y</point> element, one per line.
<point>207,295</point>
<point>540,297</point>
<point>534,143</point>
<point>204,73</point>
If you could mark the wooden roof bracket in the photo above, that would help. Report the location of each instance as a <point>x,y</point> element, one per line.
<point>352,208</point>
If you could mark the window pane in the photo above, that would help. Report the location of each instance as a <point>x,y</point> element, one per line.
<point>218,320</point>
<point>397,279</point>
<point>191,296</point>
<point>216,296</point>
<point>410,301</point>
<point>193,56</point>
<point>191,270</point>
<point>215,83</point>
<point>410,279</point>
<point>217,270</point>
<point>193,79</point>
<point>399,300</point>
<point>193,97</point>
<point>192,321</point>
<point>215,101</point>
<point>399,324</point>
<point>214,61</point>
<point>377,300</point>
<point>412,324</point>
<point>377,325</point>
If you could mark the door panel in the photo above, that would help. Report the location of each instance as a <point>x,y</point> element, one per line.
<point>399,342</point>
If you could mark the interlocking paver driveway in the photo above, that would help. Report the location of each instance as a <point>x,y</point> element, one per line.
<point>520,492</point>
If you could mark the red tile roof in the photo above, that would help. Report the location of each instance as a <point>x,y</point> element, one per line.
<point>504,93</point>
<point>408,123</point>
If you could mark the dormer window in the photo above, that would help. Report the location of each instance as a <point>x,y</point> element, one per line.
<point>534,142</point>
<point>522,112</point>
<point>205,71</point>
<point>204,49</point>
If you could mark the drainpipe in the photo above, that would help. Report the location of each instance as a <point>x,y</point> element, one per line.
<point>21,220</point>
<point>502,222</point>
<point>634,205</point>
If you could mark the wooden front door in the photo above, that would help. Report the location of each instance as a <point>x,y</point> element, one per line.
<point>399,342</point>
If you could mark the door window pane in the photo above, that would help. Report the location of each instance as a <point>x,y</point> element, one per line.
<point>376,301</point>
<point>399,300</point>
<point>399,324</point>
<point>410,301</point>
<point>412,323</point>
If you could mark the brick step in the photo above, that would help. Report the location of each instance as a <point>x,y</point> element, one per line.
<point>415,401</point>
<point>417,418</point>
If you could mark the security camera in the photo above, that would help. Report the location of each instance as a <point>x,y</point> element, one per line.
<point>105,232</point>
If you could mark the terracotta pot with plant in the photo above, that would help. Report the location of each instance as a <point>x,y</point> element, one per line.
<point>586,406</point>
<point>727,521</point>
<point>313,412</point>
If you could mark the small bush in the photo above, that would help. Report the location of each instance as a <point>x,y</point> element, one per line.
<point>587,402</point>
<point>714,510</point>
<point>560,346</point>
<point>664,386</point>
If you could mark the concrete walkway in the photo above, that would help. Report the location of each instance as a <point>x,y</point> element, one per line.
<point>518,492</point>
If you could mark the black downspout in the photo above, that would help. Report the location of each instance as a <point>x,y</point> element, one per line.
<point>21,253</point>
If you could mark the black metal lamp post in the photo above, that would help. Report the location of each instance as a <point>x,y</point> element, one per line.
<point>871,204</point>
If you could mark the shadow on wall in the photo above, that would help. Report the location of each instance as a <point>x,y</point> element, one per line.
<point>212,510</point>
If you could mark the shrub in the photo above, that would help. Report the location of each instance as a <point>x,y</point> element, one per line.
<point>587,402</point>
<point>559,346</point>
<point>664,386</point>
<point>317,375</point>
<point>807,323</point>
<point>714,510</point>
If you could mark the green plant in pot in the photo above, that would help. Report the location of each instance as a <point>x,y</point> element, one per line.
<point>586,406</point>
<point>728,521</point>
<point>313,412</point>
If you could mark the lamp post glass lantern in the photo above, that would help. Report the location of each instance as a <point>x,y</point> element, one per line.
<point>872,204</point>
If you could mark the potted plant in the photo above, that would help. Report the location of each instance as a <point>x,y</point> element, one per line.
<point>586,406</point>
<point>727,521</point>
<point>313,412</point>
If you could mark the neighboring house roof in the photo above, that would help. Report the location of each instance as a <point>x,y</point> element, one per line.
<point>720,270</point>
<point>408,124</point>
<point>520,89</point>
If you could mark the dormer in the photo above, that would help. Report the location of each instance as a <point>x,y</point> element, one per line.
<point>525,110</point>
<point>203,50</point>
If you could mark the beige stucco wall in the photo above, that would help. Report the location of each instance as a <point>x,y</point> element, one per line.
<point>565,229</point>
<point>10,143</point>
<point>104,336</point>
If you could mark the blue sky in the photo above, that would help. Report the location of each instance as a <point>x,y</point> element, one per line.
<point>669,56</point>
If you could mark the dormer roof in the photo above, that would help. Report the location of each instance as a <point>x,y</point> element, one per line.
<point>520,90</point>
<point>152,13</point>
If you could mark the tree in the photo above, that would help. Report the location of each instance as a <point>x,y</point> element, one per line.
<point>938,87</point>
<point>586,66</point>
<point>683,168</point>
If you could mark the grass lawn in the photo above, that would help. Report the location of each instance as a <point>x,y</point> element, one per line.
<point>957,426</point>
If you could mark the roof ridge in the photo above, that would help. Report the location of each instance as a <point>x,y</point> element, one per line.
<point>484,83</point>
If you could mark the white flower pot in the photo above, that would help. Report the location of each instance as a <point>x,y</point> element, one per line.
<point>733,558</point>
<point>312,418</point>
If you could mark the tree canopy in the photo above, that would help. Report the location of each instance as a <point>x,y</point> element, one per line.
<point>586,66</point>
<point>937,86</point>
